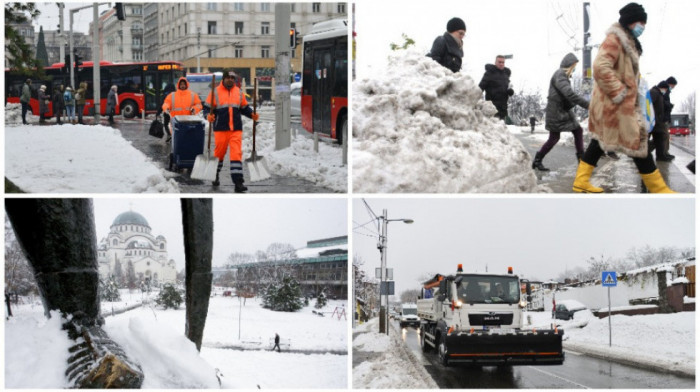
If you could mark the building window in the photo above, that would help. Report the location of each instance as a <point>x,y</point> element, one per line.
<point>211,27</point>
<point>341,8</point>
<point>265,28</point>
<point>265,52</point>
<point>265,7</point>
<point>294,7</point>
<point>238,29</point>
<point>211,51</point>
<point>136,10</point>
<point>238,52</point>
<point>316,7</point>
<point>115,242</point>
<point>239,7</point>
<point>211,6</point>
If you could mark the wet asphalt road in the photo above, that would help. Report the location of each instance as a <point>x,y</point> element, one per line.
<point>613,176</point>
<point>578,371</point>
<point>136,131</point>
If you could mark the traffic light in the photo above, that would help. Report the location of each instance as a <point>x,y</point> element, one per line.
<point>297,38</point>
<point>119,7</point>
<point>78,61</point>
<point>67,64</point>
<point>292,38</point>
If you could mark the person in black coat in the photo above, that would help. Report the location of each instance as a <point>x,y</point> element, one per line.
<point>496,84</point>
<point>447,48</point>
<point>58,103</point>
<point>658,93</point>
<point>668,107</point>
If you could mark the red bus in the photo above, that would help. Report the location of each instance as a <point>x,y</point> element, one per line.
<point>324,91</point>
<point>680,124</point>
<point>139,85</point>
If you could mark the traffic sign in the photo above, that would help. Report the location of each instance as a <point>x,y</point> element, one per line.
<point>609,279</point>
<point>297,77</point>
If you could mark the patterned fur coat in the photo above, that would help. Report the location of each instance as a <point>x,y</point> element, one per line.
<point>615,118</point>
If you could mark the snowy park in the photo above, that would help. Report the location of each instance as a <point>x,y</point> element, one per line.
<point>236,349</point>
<point>74,158</point>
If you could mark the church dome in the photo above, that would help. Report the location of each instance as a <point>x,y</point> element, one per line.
<point>130,218</point>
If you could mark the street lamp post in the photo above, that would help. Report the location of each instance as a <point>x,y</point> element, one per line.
<point>384,300</point>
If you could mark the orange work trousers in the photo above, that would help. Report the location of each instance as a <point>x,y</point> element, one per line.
<point>225,139</point>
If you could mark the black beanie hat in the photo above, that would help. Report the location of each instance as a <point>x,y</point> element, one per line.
<point>663,84</point>
<point>455,24</point>
<point>671,80</point>
<point>632,13</point>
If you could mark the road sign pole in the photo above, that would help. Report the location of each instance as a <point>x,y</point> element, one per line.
<point>609,320</point>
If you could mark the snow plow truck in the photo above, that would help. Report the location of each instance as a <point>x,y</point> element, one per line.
<point>477,319</point>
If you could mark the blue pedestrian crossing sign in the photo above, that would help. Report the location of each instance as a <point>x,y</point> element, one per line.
<point>609,278</point>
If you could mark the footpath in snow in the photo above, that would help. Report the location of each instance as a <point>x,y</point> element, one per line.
<point>419,128</point>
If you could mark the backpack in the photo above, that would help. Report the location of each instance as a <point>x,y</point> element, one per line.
<point>68,97</point>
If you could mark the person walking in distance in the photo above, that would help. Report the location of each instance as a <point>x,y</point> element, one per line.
<point>112,103</point>
<point>24,99</point>
<point>615,121</point>
<point>183,101</point>
<point>277,343</point>
<point>43,104</point>
<point>666,120</point>
<point>58,103</point>
<point>496,84</point>
<point>657,134</point>
<point>560,116</point>
<point>448,48</point>
<point>224,108</point>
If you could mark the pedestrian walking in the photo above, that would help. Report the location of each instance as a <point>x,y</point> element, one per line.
<point>560,116</point>
<point>80,101</point>
<point>112,103</point>
<point>533,121</point>
<point>668,107</point>
<point>657,134</point>
<point>43,104</point>
<point>58,103</point>
<point>277,343</point>
<point>69,100</point>
<point>224,110</point>
<point>182,101</point>
<point>24,99</point>
<point>448,48</point>
<point>496,84</point>
<point>615,113</point>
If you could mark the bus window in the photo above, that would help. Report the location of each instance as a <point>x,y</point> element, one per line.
<point>340,87</point>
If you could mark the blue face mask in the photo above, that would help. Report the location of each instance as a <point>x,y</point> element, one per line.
<point>638,30</point>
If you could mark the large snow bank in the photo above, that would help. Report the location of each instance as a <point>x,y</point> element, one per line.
<point>79,159</point>
<point>419,128</point>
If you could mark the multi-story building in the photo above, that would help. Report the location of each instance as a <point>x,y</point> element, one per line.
<point>131,245</point>
<point>321,266</point>
<point>82,44</point>
<point>122,41</point>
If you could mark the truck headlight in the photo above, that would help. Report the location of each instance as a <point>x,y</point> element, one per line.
<point>523,304</point>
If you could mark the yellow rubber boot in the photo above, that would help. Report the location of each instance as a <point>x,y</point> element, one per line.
<point>583,176</point>
<point>655,183</point>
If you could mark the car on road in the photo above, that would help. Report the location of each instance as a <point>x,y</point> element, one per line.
<point>409,316</point>
<point>566,309</point>
<point>295,94</point>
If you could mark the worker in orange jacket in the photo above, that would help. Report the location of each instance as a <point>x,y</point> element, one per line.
<point>225,108</point>
<point>181,101</point>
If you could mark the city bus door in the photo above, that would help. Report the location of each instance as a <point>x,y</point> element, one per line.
<point>321,91</point>
<point>152,90</point>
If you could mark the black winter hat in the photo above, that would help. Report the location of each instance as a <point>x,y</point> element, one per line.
<point>456,24</point>
<point>663,84</point>
<point>671,80</point>
<point>632,13</point>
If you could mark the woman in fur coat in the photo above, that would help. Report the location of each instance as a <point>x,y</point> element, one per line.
<point>615,121</point>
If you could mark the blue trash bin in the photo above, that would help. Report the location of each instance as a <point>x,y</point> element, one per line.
<point>187,143</point>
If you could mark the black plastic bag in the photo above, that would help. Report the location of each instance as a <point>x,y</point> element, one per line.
<point>156,129</point>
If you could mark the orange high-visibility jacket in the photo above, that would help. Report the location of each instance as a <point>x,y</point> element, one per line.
<point>230,104</point>
<point>182,101</point>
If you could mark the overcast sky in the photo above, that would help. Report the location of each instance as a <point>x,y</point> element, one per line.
<point>240,224</point>
<point>531,32</point>
<point>539,237</point>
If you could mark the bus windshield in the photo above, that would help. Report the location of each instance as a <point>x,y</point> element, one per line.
<point>488,289</point>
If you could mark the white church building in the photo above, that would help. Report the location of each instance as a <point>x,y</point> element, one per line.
<point>130,241</point>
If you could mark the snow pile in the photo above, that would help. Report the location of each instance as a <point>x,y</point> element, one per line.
<point>419,128</point>
<point>35,345</point>
<point>660,341</point>
<point>13,114</point>
<point>392,366</point>
<point>79,159</point>
<point>324,168</point>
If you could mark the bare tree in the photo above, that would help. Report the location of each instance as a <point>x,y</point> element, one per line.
<point>688,106</point>
<point>409,296</point>
<point>19,278</point>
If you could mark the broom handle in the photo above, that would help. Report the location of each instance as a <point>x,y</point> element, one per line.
<point>213,106</point>
<point>255,101</point>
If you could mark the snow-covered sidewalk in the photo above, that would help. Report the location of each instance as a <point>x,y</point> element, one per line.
<point>394,366</point>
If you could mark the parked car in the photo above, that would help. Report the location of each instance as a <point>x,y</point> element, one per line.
<point>295,94</point>
<point>565,309</point>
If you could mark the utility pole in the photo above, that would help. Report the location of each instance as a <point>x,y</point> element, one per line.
<point>61,35</point>
<point>283,137</point>
<point>96,60</point>
<point>384,299</point>
<point>586,85</point>
<point>199,48</point>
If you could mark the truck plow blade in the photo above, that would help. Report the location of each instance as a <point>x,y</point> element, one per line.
<point>542,347</point>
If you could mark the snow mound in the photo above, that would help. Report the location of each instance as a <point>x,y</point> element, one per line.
<point>419,128</point>
<point>13,114</point>
<point>79,159</point>
<point>372,342</point>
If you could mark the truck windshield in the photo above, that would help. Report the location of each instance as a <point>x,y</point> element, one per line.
<point>488,289</point>
<point>410,311</point>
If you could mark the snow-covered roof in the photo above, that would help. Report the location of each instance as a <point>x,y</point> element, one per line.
<point>656,268</point>
<point>316,252</point>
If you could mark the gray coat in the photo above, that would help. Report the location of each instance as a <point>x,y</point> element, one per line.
<point>562,99</point>
<point>111,101</point>
<point>26,93</point>
<point>43,102</point>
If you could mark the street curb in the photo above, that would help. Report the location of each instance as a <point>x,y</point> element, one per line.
<point>415,361</point>
<point>683,370</point>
